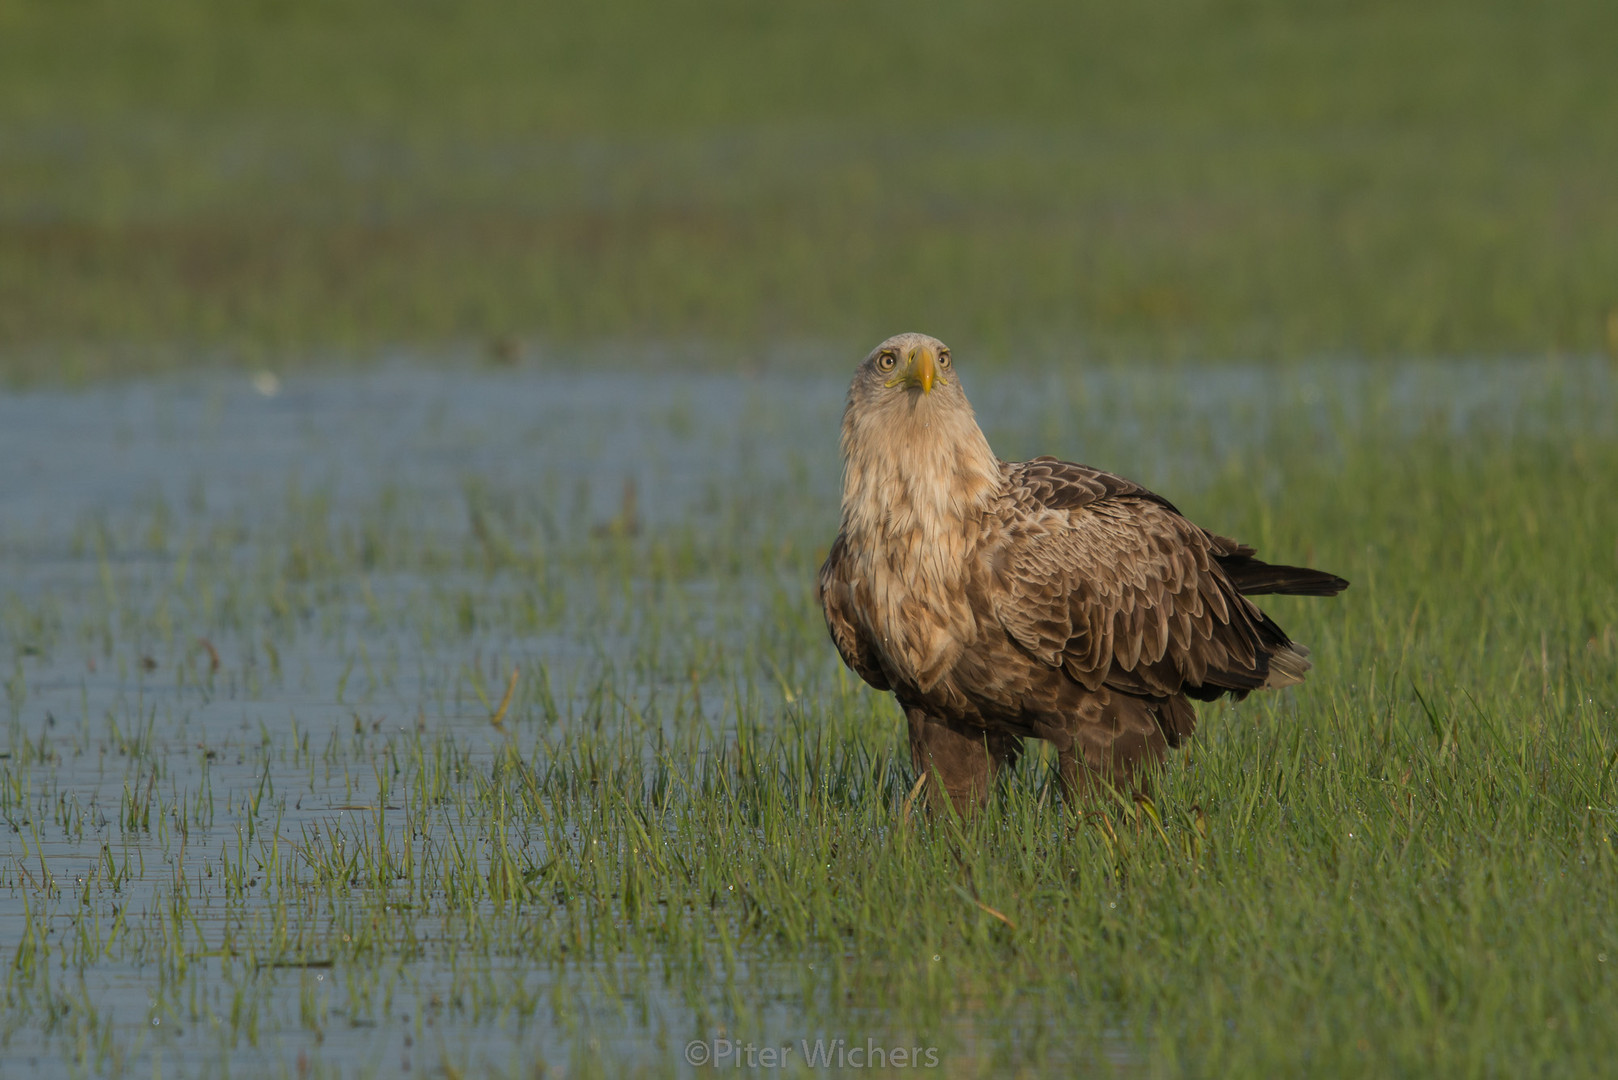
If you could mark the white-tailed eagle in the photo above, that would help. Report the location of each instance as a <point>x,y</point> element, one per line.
<point>1032,599</point>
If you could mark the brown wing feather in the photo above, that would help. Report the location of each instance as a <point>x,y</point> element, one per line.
<point>833,589</point>
<point>1108,581</point>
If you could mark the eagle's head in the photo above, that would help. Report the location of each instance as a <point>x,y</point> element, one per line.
<point>912,372</point>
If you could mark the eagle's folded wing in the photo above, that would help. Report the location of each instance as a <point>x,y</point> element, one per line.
<point>833,588</point>
<point>1100,577</point>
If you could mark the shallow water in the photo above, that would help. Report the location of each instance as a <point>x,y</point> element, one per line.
<point>239,596</point>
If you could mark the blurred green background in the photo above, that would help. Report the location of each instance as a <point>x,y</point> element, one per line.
<point>185,181</point>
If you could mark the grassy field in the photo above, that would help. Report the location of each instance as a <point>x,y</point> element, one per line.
<point>289,182</point>
<point>305,846</point>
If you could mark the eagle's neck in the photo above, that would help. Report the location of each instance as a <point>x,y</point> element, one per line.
<point>917,476</point>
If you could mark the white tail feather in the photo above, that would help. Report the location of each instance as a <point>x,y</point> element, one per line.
<point>1288,667</point>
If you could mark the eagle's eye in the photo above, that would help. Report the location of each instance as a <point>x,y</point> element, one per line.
<point>886,361</point>
<point>943,359</point>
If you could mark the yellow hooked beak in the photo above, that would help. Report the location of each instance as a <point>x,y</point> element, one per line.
<point>921,369</point>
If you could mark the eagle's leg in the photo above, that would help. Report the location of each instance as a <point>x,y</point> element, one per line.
<point>1118,740</point>
<point>962,760</point>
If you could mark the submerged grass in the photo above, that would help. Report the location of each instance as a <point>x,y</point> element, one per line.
<point>689,822</point>
<point>186,181</point>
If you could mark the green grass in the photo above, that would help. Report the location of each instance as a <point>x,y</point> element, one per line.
<point>187,182</point>
<point>696,827</point>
